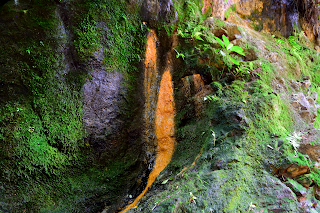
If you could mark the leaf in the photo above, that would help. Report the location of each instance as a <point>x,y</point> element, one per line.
<point>225,40</point>
<point>210,38</point>
<point>238,50</point>
<point>223,53</point>
<point>197,36</point>
<point>234,61</point>
<point>180,33</point>
<point>229,46</point>
<point>165,181</point>
<point>251,65</point>
<point>219,41</point>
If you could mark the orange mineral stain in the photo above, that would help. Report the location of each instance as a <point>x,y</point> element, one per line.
<point>164,124</point>
<point>150,63</point>
<point>165,112</point>
<point>150,84</point>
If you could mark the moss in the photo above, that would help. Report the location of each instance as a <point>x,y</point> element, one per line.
<point>44,159</point>
<point>88,38</point>
<point>230,175</point>
<point>115,28</point>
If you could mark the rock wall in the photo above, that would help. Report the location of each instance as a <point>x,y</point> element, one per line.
<point>75,118</point>
<point>272,16</point>
<point>70,115</point>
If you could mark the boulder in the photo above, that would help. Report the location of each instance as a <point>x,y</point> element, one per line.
<point>305,105</point>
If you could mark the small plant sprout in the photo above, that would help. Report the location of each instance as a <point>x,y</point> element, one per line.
<point>179,54</point>
<point>214,137</point>
<point>192,198</point>
<point>294,139</point>
<point>228,48</point>
<point>252,206</point>
<point>211,98</point>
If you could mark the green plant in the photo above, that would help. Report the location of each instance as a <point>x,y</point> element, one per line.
<point>211,98</point>
<point>191,18</point>
<point>315,176</point>
<point>179,54</point>
<point>294,139</point>
<point>244,69</point>
<point>228,48</point>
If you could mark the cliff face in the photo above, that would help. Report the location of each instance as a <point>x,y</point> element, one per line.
<point>283,17</point>
<point>87,113</point>
<point>70,110</point>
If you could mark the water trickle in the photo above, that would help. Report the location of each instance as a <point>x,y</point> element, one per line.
<point>16,2</point>
<point>164,112</point>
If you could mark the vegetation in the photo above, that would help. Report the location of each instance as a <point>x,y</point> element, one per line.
<point>44,159</point>
<point>222,161</point>
<point>116,29</point>
<point>262,134</point>
<point>228,48</point>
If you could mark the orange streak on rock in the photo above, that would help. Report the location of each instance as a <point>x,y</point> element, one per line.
<point>164,127</point>
<point>150,62</point>
<point>150,84</point>
<point>164,124</point>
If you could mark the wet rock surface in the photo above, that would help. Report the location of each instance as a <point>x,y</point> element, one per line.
<point>102,99</point>
<point>266,15</point>
<point>313,151</point>
<point>195,90</point>
<point>223,173</point>
<point>306,106</point>
<point>158,10</point>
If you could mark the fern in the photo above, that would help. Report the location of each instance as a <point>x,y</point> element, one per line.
<point>315,176</point>
<point>294,140</point>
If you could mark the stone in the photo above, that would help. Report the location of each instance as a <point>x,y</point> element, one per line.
<point>306,106</point>
<point>313,151</point>
<point>199,98</point>
<point>218,8</point>
<point>306,77</point>
<point>314,95</point>
<point>305,114</point>
<point>317,192</point>
<point>102,103</point>
<point>264,15</point>
<point>295,85</point>
<point>219,164</point>
<point>156,10</point>
<point>305,181</point>
<point>306,84</point>
<point>295,171</point>
<point>295,104</point>
<point>186,86</point>
<point>191,85</point>
<point>311,100</point>
<point>298,189</point>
